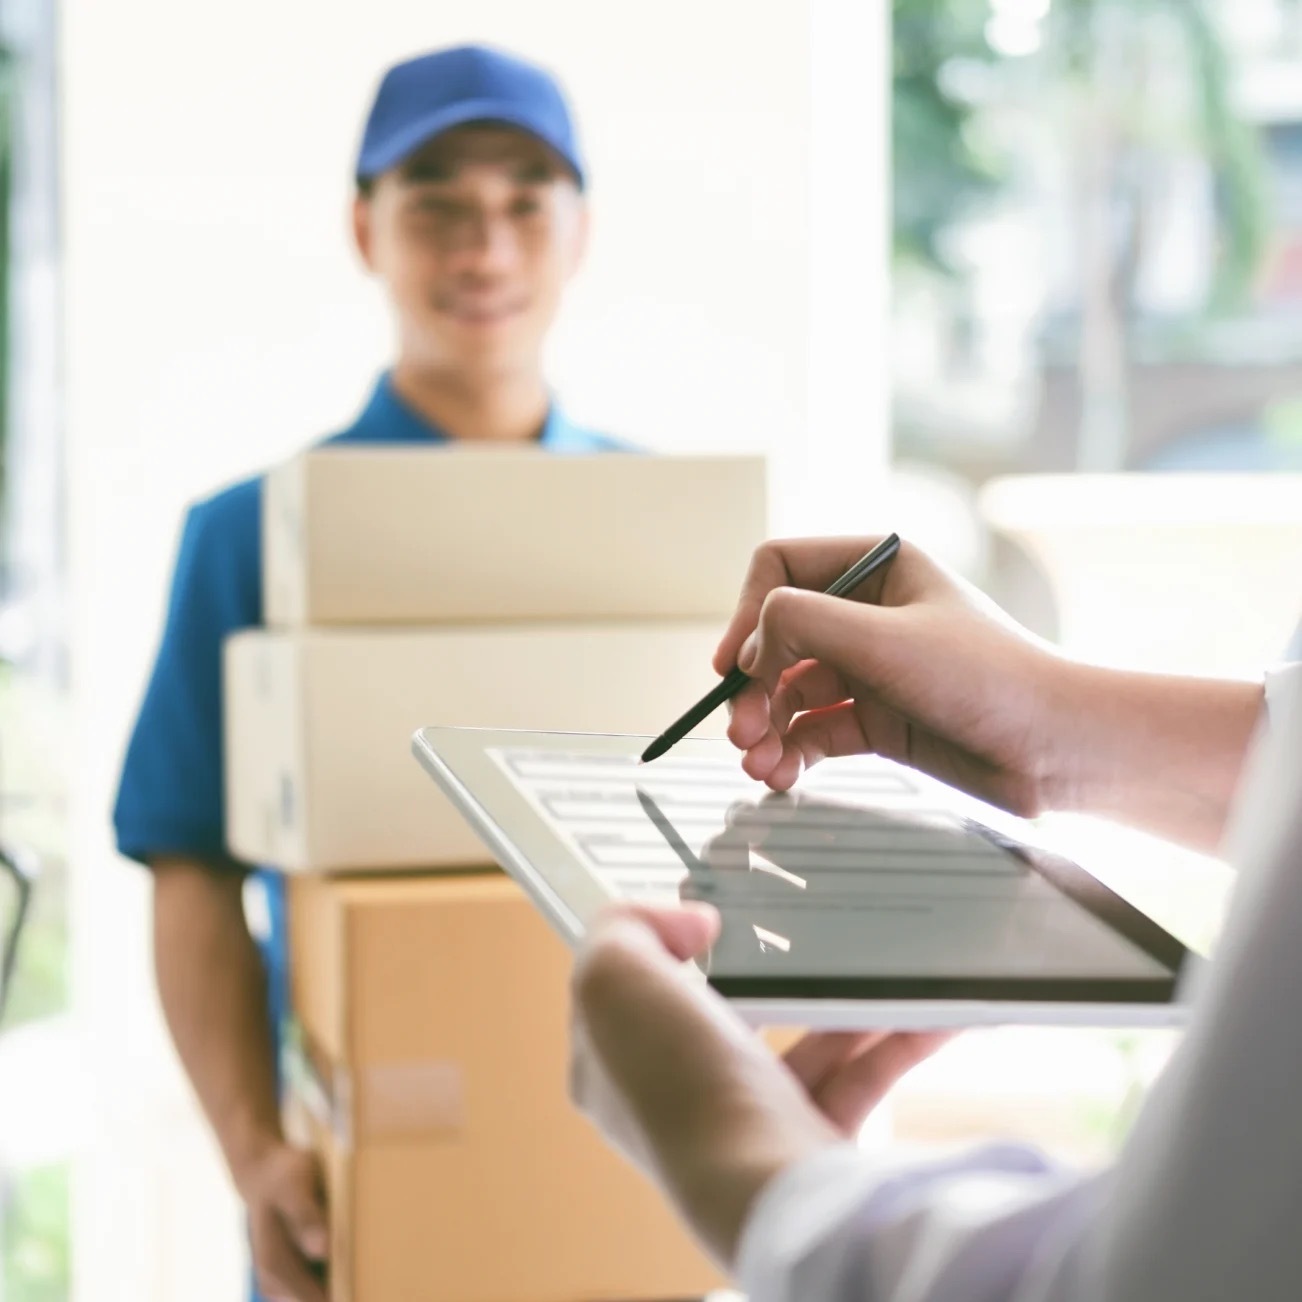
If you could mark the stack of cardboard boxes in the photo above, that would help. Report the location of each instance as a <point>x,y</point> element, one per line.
<point>477,588</point>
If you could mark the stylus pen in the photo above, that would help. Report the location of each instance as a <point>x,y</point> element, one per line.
<point>728,687</point>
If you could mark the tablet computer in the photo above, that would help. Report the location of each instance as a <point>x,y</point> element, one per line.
<point>869,896</point>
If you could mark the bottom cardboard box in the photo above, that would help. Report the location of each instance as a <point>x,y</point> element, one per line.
<point>432,1017</point>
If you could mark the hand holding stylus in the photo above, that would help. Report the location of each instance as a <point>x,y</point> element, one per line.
<point>735,679</point>
<point>915,665</point>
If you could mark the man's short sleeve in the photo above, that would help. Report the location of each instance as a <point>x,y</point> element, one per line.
<point>170,798</point>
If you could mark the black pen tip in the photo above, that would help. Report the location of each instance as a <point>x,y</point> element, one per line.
<point>654,750</point>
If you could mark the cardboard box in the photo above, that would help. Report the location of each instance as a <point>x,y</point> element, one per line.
<point>384,535</point>
<point>319,771</point>
<point>434,1011</point>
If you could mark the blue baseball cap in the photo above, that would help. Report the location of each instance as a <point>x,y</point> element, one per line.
<point>426,96</point>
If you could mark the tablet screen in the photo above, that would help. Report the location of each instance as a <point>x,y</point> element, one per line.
<point>865,882</point>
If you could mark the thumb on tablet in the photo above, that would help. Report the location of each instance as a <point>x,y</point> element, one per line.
<point>685,930</point>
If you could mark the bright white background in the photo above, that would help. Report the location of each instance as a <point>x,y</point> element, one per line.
<point>216,321</point>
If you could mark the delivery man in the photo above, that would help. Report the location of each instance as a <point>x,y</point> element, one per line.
<point>470,212</point>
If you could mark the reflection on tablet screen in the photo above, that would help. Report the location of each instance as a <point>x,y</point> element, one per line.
<point>863,872</point>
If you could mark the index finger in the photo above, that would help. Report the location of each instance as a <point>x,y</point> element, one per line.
<point>811,563</point>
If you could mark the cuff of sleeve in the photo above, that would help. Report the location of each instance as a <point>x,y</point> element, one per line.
<point>838,1190</point>
<point>1282,684</point>
<point>146,839</point>
<point>793,1212</point>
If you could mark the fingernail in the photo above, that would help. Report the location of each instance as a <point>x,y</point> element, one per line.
<point>749,649</point>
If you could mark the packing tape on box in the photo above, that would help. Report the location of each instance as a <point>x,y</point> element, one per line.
<point>418,1099</point>
<point>411,1100</point>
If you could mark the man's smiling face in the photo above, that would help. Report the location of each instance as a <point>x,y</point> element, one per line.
<point>475,236</point>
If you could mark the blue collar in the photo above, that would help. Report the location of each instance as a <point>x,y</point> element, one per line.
<point>386,418</point>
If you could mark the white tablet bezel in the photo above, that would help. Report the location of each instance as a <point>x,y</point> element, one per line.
<point>569,895</point>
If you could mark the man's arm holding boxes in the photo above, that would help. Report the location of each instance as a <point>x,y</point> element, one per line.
<point>214,995</point>
<point>169,816</point>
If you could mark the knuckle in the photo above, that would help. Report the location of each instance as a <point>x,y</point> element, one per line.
<point>778,628</point>
<point>767,563</point>
<point>780,604</point>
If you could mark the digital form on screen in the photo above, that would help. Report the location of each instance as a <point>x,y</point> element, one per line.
<point>867,870</point>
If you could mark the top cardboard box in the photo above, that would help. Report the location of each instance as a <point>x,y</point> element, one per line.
<point>400,535</point>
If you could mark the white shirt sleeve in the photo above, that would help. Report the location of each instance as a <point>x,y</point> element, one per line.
<point>966,1229</point>
<point>1282,682</point>
<point>1204,1202</point>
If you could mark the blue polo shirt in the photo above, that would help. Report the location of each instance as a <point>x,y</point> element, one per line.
<point>170,798</point>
